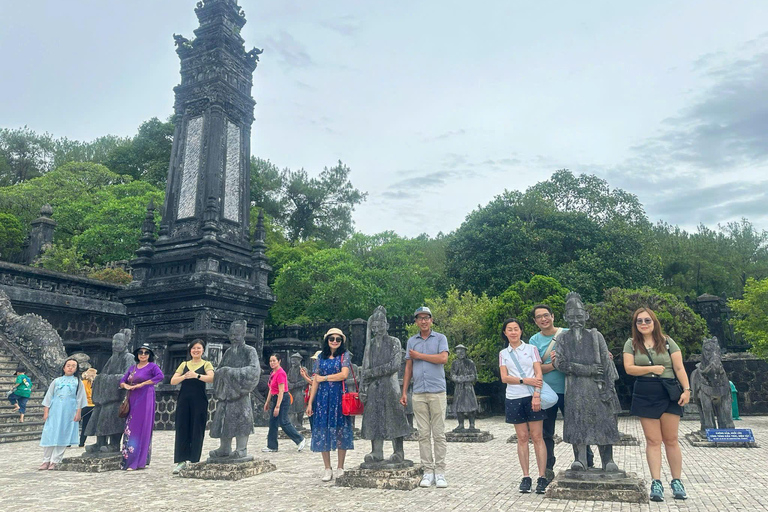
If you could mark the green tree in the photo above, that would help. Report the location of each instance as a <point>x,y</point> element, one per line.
<point>552,229</point>
<point>267,189</point>
<point>70,182</point>
<point>613,317</point>
<point>320,207</point>
<point>751,315</point>
<point>148,154</point>
<point>63,259</point>
<point>96,151</point>
<point>11,235</point>
<point>24,154</point>
<point>463,318</point>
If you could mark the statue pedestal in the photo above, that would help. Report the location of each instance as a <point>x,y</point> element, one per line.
<point>227,471</point>
<point>92,462</point>
<point>698,439</point>
<point>627,440</point>
<point>401,476</point>
<point>513,439</point>
<point>597,485</point>
<point>468,435</point>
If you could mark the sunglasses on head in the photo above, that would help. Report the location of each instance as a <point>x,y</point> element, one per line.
<point>335,338</point>
<point>641,321</point>
<point>143,352</point>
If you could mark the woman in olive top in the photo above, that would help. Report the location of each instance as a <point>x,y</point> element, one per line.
<point>191,406</point>
<point>651,356</point>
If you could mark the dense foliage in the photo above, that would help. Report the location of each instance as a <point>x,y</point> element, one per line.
<point>752,315</point>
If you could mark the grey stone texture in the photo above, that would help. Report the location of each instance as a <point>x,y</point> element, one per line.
<point>482,477</point>
<point>238,471</point>
<point>598,485</point>
<point>233,382</point>
<point>399,479</point>
<point>36,342</point>
<point>91,463</point>
<point>711,388</point>
<point>107,394</point>
<point>468,436</point>
<point>591,403</point>
<point>383,416</point>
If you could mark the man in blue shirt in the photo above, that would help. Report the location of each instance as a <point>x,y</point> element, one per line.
<point>426,353</point>
<point>543,340</point>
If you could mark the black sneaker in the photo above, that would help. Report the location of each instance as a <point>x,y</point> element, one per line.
<point>541,485</point>
<point>525,484</point>
<point>657,491</point>
<point>678,491</point>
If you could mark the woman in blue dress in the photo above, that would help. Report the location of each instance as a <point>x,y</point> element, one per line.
<point>331,430</point>
<point>61,412</point>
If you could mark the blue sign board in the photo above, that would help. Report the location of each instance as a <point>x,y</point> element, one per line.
<point>730,435</point>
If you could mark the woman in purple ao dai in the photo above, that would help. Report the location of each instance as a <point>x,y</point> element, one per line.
<point>140,380</point>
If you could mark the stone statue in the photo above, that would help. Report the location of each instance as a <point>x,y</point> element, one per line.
<point>591,403</point>
<point>383,416</point>
<point>107,396</point>
<point>235,378</point>
<point>464,376</point>
<point>400,377</point>
<point>36,338</point>
<point>296,386</point>
<point>711,388</point>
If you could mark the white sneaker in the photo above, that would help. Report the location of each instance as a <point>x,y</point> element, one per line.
<point>179,467</point>
<point>427,480</point>
<point>302,444</point>
<point>327,475</point>
<point>339,472</point>
<point>440,482</point>
<point>267,449</point>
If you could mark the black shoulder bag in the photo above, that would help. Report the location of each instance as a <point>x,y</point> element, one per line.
<point>672,386</point>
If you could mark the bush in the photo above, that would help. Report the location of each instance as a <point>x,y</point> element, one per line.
<point>613,318</point>
<point>112,275</point>
<point>751,316</point>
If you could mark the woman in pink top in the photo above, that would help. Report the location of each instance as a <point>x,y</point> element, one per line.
<point>278,402</point>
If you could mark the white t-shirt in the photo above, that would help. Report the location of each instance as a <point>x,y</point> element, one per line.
<point>526,356</point>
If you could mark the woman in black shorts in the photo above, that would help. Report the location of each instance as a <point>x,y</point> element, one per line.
<point>520,367</point>
<point>653,358</point>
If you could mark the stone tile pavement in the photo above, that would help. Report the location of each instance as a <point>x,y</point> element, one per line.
<point>481,477</point>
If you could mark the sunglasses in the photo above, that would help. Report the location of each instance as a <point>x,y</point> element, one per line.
<point>641,321</point>
<point>143,353</point>
<point>335,338</point>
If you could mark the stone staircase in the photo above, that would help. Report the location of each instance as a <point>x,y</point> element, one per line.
<point>11,430</point>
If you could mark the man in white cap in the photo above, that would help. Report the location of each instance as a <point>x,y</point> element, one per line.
<point>426,355</point>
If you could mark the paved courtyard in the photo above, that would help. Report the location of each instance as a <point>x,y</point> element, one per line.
<point>481,477</point>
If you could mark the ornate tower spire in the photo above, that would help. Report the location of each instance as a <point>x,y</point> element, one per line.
<point>199,275</point>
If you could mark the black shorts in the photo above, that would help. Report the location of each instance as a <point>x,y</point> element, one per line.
<point>650,399</point>
<point>520,410</point>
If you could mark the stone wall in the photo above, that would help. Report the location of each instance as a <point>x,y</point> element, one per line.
<point>77,307</point>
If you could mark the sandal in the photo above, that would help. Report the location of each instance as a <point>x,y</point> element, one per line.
<point>43,466</point>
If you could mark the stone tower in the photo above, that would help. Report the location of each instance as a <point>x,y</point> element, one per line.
<point>202,272</point>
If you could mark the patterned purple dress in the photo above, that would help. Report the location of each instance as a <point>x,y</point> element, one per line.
<point>137,437</point>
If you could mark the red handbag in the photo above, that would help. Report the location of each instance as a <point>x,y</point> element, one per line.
<point>350,402</point>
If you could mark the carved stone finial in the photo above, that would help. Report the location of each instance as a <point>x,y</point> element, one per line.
<point>46,210</point>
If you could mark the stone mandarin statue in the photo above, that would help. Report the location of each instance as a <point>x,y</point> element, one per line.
<point>591,403</point>
<point>107,396</point>
<point>464,376</point>
<point>296,386</point>
<point>237,375</point>
<point>383,416</point>
<point>711,388</point>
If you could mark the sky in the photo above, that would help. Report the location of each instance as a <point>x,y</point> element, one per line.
<point>438,106</point>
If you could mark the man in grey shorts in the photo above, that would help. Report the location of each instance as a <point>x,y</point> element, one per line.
<point>426,354</point>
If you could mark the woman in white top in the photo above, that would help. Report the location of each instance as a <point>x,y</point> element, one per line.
<point>523,400</point>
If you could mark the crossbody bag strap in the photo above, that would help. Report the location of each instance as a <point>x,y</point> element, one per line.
<point>551,344</point>
<point>519,368</point>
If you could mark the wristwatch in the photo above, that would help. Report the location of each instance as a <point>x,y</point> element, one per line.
<point>687,389</point>
<point>198,376</point>
<point>521,381</point>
